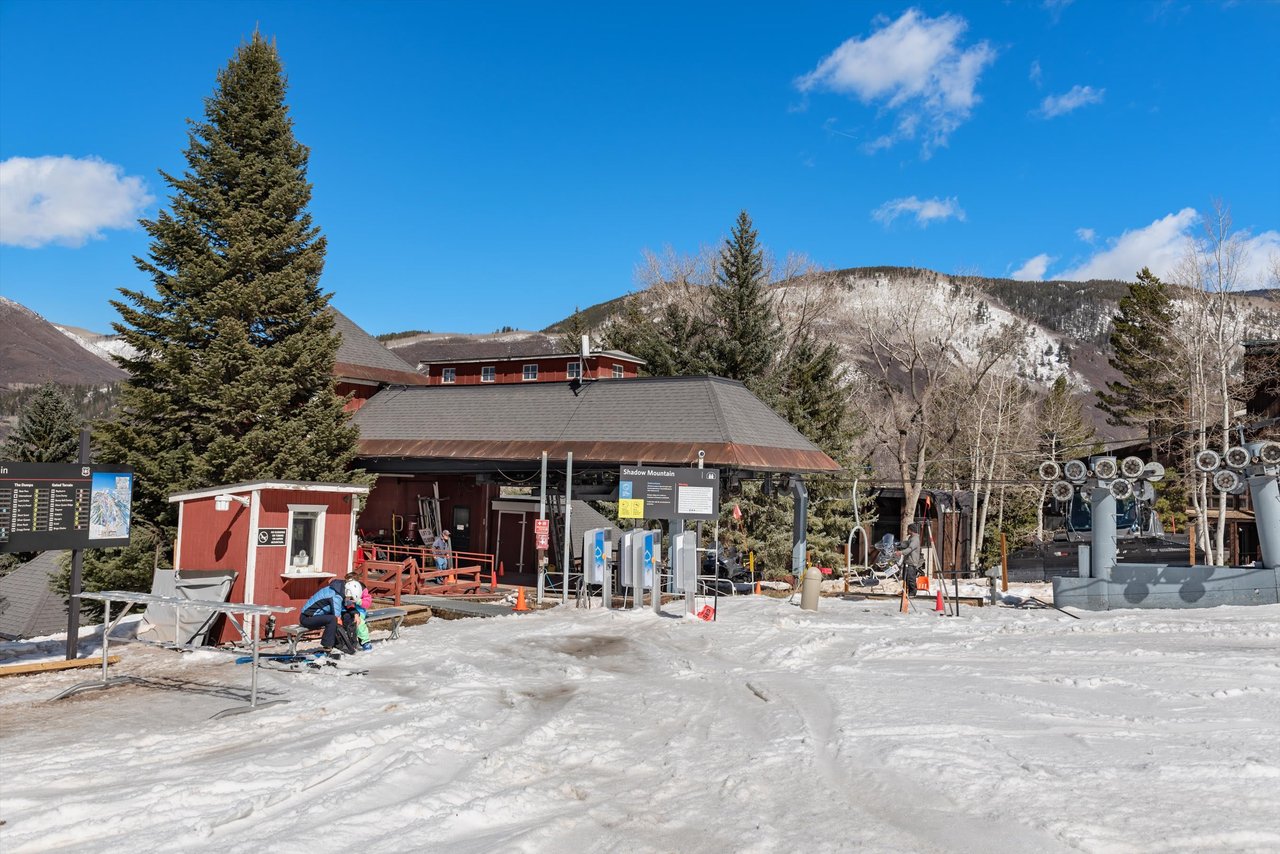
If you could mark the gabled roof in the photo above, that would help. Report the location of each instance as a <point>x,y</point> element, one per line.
<point>29,605</point>
<point>652,419</point>
<point>362,357</point>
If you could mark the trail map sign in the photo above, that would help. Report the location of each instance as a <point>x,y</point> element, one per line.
<point>64,506</point>
<point>653,492</point>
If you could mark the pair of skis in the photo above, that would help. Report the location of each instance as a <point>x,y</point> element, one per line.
<point>305,663</point>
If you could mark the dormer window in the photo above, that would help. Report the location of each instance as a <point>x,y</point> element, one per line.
<point>573,371</point>
<point>448,376</point>
<point>530,373</point>
<point>617,372</point>
<point>488,374</point>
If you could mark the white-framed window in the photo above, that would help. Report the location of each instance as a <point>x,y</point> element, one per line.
<point>488,374</point>
<point>304,539</point>
<point>573,370</point>
<point>617,372</point>
<point>448,375</point>
<point>530,373</point>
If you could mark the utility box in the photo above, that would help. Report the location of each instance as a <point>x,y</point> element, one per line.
<point>283,539</point>
<point>684,562</point>
<point>595,549</point>
<point>639,553</point>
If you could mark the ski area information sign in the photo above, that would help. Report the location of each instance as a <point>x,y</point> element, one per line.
<point>64,506</point>
<point>654,492</point>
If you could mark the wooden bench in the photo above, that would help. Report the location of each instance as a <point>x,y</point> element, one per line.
<point>388,579</point>
<point>296,633</point>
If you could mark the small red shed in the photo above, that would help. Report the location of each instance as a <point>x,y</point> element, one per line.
<point>284,539</point>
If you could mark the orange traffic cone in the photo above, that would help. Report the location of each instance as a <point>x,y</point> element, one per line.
<point>938,607</point>
<point>906,606</point>
<point>757,588</point>
<point>520,603</point>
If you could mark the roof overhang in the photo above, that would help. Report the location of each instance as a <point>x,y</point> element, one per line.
<point>260,485</point>
<point>366,374</point>
<point>426,455</point>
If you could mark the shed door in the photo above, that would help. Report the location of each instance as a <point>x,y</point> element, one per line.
<point>461,529</point>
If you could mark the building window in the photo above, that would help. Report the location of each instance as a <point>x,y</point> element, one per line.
<point>617,372</point>
<point>448,375</point>
<point>573,371</point>
<point>530,373</point>
<point>488,374</point>
<point>305,542</point>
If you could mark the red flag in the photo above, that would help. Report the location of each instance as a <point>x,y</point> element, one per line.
<point>737,513</point>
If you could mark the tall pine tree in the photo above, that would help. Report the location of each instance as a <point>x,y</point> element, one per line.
<point>1149,394</point>
<point>745,334</point>
<point>48,430</point>
<point>233,374</point>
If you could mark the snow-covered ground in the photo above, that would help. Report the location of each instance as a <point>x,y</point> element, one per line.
<point>771,730</point>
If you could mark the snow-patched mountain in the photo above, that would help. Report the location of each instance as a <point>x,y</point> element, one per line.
<point>34,351</point>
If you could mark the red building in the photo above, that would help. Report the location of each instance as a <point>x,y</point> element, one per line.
<point>283,539</point>
<point>512,358</point>
<point>363,366</point>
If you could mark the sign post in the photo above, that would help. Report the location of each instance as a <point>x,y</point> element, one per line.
<point>542,519</point>
<point>669,494</point>
<point>76,506</point>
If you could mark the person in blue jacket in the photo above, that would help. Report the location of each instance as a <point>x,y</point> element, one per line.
<point>325,610</point>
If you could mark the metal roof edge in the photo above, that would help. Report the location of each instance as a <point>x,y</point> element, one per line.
<point>258,485</point>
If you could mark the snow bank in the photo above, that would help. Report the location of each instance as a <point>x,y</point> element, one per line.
<point>772,729</point>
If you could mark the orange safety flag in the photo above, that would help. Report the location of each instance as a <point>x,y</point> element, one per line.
<point>737,513</point>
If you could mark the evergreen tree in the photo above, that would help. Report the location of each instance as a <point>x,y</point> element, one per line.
<point>744,332</point>
<point>233,374</point>
<point>575,327</point>
<point>1148,394</point>
<point>672,343</point>
<point>48,430</point>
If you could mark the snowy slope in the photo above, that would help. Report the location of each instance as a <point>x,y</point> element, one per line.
<point>771,730</point>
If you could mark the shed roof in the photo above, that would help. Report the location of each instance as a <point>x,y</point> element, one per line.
<point>652,419</point>
<point>362,357</point>
<point>29,605</point>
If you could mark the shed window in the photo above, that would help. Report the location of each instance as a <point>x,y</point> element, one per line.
<point>617,372</point>
<point>530,373</point>
<point>448,375</point>
<point>488,374</point>
<point>573,370</point>
<point>305,545</point>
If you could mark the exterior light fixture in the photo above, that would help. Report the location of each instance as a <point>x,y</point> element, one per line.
<point>223,502</point>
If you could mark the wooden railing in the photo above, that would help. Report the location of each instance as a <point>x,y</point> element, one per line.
<point>394,571</point>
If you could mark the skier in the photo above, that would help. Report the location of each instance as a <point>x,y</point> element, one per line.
<point>326,607</point>
<point>355,593</point>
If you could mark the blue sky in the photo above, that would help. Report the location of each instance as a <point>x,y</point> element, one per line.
<point>487,164</point>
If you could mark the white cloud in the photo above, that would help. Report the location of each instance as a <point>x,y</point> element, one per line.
<point>1079,96</point>
<point>1162,246</point>
<point>924,210</point>
<point>1036,76</point>
<point>1159,246</point>
<point>1088,235</point>
<point>913,66</point>
<point>65,200</point>
<point>1033,270</point>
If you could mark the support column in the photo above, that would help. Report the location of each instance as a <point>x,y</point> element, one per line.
<point>1102,551</point>
<point>799,526</point>
<point>1265,492</point>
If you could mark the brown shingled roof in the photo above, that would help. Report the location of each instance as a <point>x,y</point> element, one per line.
<point>655,420</point>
